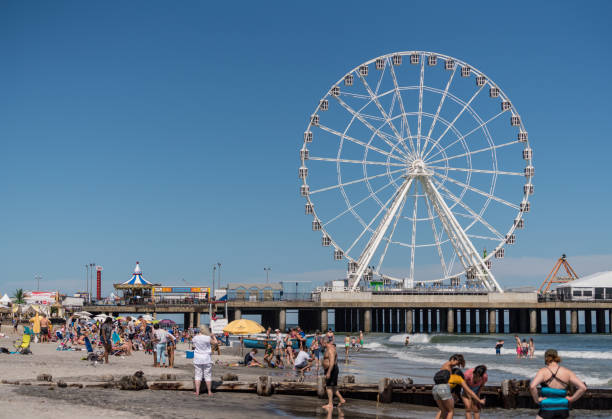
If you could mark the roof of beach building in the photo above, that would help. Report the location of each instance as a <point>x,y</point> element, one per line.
<point>261,286</point>
<point>599,279</point>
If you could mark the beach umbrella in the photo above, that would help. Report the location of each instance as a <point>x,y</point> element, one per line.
<point>99,317</point>
<point>243,327</point>
<point>83,313</point>
<point>148,317</point>
<point>166,322</point>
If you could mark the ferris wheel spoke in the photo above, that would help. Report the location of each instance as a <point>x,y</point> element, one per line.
<point>359,142</point>
<point>367,124</point>
<point>401,104</point>
<point>469,133</point>
<point>463,169</point>
<point>479,191</point>
<point>367,228</point>
<point>389,240</point>
<point>380,107</point>
<point>437,237</point>
<point>471,153</point>
<point>355,95</point>
<point>378,163</point>
<point>465,107</point>
<point>414,221</point>
<point>475,236</point>
<point>442,99</point>
<point>468,209</point>
<point>341,185</point>
<point>351,208</point>
<point>420,114</point>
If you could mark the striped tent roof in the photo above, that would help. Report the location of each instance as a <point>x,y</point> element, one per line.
<point>137,278</point>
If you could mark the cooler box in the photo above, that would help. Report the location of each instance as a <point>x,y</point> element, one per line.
<point>189,354</point>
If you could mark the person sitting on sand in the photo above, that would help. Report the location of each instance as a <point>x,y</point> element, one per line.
<point>124,346</point>
<point>269,354</point>
<point>250,360</point>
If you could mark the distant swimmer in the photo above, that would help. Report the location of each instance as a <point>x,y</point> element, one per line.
<point>498,346</point>
<point>407,341</point>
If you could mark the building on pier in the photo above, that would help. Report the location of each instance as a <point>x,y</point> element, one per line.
<point>595,287</point>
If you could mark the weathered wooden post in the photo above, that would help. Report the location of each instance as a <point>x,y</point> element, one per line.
<point>321,388</point>
<point>264,386</point>
<point>385,390</point>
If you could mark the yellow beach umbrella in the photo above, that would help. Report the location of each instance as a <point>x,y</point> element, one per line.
<point>243,327</point>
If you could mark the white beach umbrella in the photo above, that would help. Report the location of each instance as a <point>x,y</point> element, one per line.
<point>83,313</point>
<point>148,317</point>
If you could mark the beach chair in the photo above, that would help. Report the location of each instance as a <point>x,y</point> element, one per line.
<point>93,356</point>
<point>22,345</point>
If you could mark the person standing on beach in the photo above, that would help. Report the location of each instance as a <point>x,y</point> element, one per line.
<point>161,341</point>
<point>202,359</point>
<point>44,329</point>
<point>531,348</point>
<point>475,378</point>
<point>330,336</point>
<point>554,380</point>
<point>106,332</point>
<point>361,340</point>
<point>330,366</point>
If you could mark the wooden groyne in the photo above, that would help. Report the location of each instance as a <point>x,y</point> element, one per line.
<point>511,394</point>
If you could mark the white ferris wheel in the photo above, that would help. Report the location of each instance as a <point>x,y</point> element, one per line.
<point>413,165</point>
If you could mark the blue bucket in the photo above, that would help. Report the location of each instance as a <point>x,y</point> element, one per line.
<point>189,354</point>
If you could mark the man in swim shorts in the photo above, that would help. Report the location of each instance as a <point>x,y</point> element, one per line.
<point>330,366</point>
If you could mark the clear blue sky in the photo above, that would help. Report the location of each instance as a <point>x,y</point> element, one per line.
<point>167,132</point>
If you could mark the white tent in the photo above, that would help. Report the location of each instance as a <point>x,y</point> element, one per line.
<point>593,287</point>
<point>5,300</point>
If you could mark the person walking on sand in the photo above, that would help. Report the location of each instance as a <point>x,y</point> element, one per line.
<point>106,331</point>
<point>202,359</point>
<point>554,381</point>
<point>330,366</point>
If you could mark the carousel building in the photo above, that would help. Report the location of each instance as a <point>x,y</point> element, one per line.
<point>136,289</point>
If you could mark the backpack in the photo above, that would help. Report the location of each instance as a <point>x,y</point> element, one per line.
<point>442,377</point>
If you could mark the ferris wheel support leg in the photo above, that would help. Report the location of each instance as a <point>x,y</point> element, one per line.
<point>468,255</point>
<point>370,249</point>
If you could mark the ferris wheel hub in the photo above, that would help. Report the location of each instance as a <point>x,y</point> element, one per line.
<point>418,168</point>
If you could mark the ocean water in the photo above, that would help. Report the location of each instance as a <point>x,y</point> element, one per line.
<point>384,355</point>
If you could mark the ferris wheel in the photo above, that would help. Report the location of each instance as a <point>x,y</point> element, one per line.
<point>413,164</point>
